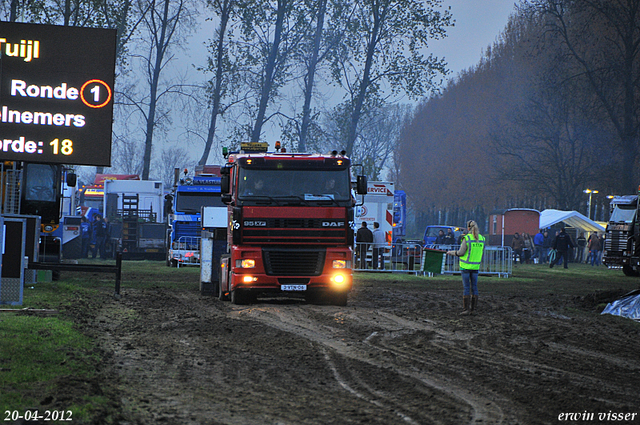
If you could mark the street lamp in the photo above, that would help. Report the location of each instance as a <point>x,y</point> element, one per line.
<point>590,192</point>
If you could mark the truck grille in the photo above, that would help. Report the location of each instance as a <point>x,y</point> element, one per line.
<point>295,231</point>
<point>616,241</point>
<point>293,262</point>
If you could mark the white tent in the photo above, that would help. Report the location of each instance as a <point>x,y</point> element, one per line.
<point>571,218</point>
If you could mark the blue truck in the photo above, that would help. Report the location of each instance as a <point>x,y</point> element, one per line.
<point>189,196</point>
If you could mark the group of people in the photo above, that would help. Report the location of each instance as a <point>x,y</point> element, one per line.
<point>448,239</point>
<point>377,240</point>
<point>95,236</point>
<point>560,247</point>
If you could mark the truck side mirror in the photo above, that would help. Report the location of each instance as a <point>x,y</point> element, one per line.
<point>224,183</point>
<point>361,185</point>
<point>72,179</point>
<point>225,170</point>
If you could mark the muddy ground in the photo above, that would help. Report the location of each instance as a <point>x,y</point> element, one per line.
<point>395,355</point>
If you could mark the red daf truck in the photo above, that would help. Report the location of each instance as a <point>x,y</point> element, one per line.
<point>291,225</point>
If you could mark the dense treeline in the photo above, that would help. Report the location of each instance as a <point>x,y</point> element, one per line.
<point>552,109</point>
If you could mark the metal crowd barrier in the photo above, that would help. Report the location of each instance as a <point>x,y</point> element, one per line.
<point>410,258</point>
<point>496,260</point>
<point>399,257</point>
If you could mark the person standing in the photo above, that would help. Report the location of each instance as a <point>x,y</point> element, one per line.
<point>538,242</point>
<point>562,243</point>
<point>517,244</point>
<point>379,242</point>
<point>85,228</point>
<point>546,246</point>
<point>582,244</point>
<point>527,252</point>
<point>98,234</point>
<point>450,238</point>
<point>595,247</point>
<point>363,238</point>
<point>470,254</point>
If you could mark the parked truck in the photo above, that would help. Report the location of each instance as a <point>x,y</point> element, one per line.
<point>135,211</point>
<point>378,207</point>
<point>189,196</point>
<point>32,189</point>
<point>290,224</point>
<point>92,196</point>
<point>622,244</point>
<point>69,231</point>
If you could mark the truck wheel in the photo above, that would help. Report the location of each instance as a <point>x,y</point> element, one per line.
<point>238,297</point>
<point>312,297</point>
<point>221,295</point>
<point>339,298</point>
<point>629,271</point>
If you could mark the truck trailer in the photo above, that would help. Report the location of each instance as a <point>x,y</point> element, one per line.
<point>135,210</point>
<point>290,225</point>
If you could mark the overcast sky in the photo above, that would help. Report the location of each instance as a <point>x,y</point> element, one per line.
<point>478,23</point>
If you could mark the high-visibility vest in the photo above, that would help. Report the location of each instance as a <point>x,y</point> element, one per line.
<point>472,257</point>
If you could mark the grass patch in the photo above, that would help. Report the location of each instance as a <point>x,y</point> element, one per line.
<point>39,354</point>
<point>35,351</point>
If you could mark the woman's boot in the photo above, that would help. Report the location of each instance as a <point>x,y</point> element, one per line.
<point>465,305</point>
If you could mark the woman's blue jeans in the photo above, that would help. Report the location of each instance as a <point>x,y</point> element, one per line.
<point>470,282</point>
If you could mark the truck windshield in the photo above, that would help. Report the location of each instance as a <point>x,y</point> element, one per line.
<point>192,202</point>
<point>41,183</point>
<point>623,215</point>
<point>303,186</point>
<point>93,203</point>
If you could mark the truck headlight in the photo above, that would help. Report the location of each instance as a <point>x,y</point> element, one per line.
<point>338,280</point>
<point>247,263</point>
<point>341,264</point>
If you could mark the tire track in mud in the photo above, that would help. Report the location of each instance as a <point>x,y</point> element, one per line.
<point>442,391</point>
<point>539,357</point>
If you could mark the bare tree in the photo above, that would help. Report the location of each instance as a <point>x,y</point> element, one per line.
<point>221,66</point>
<point>602,39</point>
<point>384,48</point>
<point>164,25</point>
<point>171,158</point>
<point>550,146</point>
<point>379,138</point>
<point>127,155</point>
<point>271,31</point>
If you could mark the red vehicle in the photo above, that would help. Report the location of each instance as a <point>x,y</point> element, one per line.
<point>290,225</point>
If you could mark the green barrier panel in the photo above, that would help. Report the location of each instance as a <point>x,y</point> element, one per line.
<point>433,260</point>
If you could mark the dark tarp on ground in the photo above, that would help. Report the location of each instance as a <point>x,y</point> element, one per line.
<point>627,306</point>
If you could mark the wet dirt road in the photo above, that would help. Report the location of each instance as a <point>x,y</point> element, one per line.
<point>392,356</point>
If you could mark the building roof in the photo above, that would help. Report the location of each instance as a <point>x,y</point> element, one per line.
<point>571,218</point>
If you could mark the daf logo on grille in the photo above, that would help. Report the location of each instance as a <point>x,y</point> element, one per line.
<point>333,224</point>
<point>256,223</point>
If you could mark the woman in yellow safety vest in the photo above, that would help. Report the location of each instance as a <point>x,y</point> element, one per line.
<point>470,254</point>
